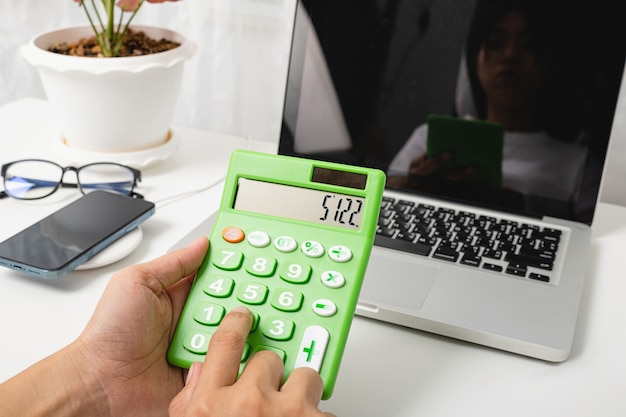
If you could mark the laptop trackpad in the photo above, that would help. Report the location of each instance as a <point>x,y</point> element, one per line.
<point>395,281</point>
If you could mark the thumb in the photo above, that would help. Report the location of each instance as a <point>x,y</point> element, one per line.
<point>179,404</point>
<point>193,376</point>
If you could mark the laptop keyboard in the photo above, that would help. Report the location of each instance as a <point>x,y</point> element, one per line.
<point>474,240</point>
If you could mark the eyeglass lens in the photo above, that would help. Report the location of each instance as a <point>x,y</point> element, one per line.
<point>32,179</point>
<point>108,177</point>
<point>35,179</point>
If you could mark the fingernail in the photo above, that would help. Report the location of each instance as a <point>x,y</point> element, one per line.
<point>241,309</point>
<point>191,371</point>
<point>197,240</point>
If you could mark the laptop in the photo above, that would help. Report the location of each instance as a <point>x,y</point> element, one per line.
<point>389,84</point>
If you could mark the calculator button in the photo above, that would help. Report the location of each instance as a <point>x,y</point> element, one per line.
<point>209,314</point>
<point>255,322</point>
<point>281,353</point>
<point>220,287</point>
<point>246,352</point>
<point>277,328</point>
<point>285,244</point>
<point>340,253</point>
<point>295,273</point>
<point>333,279</point>
<point>324,308</point>
<point>233,234</point>
<point>312,348</point>
<point>252,293</point>
<point>228,260</point>
<point>261,266</point>
<point>258,239</point>
<point>286,300</point>
<point>197,342</point>
<point>312,249</point>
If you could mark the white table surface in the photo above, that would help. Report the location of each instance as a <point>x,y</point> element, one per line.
<point>387,370</point>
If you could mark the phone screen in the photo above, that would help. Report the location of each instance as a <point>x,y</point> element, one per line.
<point>471,142</point>
<point>72,235</point>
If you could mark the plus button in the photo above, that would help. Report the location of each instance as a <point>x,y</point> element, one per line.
<point>309,351</point>
<point>312,348</point>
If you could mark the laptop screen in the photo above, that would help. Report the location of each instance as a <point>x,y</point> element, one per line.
<point>504,104</point>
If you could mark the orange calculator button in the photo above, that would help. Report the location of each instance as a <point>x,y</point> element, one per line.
<point>233,234</point>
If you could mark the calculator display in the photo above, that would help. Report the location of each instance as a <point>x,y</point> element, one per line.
<point>299,203</point>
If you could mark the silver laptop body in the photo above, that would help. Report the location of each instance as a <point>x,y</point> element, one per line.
<point>421,47</point>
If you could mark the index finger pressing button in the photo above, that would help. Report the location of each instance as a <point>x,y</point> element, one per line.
<point>225,350</point>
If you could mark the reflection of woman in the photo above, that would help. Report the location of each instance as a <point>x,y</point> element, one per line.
<point>508,61</point>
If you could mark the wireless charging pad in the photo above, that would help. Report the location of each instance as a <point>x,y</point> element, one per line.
<point>116,251</point>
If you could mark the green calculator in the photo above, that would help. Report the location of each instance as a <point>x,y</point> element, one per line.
<point>291,242</point>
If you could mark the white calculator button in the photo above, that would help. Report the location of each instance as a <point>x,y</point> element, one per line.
<point>312,249</point>
<point>285,244</point>
<point>258,239</point>
<point>324,307</point>
<point>312,348</point>
<point>340,253</point>
<point>333,279</point>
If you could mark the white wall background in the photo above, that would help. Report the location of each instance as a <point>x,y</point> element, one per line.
<point>235,83</point>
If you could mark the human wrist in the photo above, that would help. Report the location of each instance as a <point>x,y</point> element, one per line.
<point>53,386</point>
<point>83,385</point>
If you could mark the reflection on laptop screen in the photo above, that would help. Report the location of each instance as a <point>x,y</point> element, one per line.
<point>503,104</point>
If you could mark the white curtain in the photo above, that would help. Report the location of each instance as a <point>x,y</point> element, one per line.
<point>234,85</point>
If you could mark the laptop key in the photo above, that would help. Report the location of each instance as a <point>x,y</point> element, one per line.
<point>529,260</point>
<point>536,253</point>
<point>446,253</point>
<point>492,267</point>
<point>492,253</point>
<point>471,260</point>
<point>409,237</point>
<point>539,277</point>
<point>417,248</point>
<point>385,231</point>
<point>519,270</point>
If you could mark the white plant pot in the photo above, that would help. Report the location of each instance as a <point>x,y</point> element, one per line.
<point>110,105</point>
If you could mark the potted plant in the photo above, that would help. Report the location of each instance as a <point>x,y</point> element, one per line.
<point>117,100</point>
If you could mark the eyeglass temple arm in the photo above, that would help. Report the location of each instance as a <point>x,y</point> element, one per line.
<point>34,183</point>
<point>97,185</point>
<point>115,186</point>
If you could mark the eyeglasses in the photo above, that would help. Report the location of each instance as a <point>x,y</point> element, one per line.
<point>33,179</point>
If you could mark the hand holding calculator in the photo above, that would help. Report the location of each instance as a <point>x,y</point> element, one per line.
<point>291,242</point>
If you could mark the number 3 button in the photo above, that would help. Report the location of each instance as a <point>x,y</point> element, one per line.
<point>277,328</point>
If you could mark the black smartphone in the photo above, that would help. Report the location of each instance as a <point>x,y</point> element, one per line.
<point>57,244</point>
